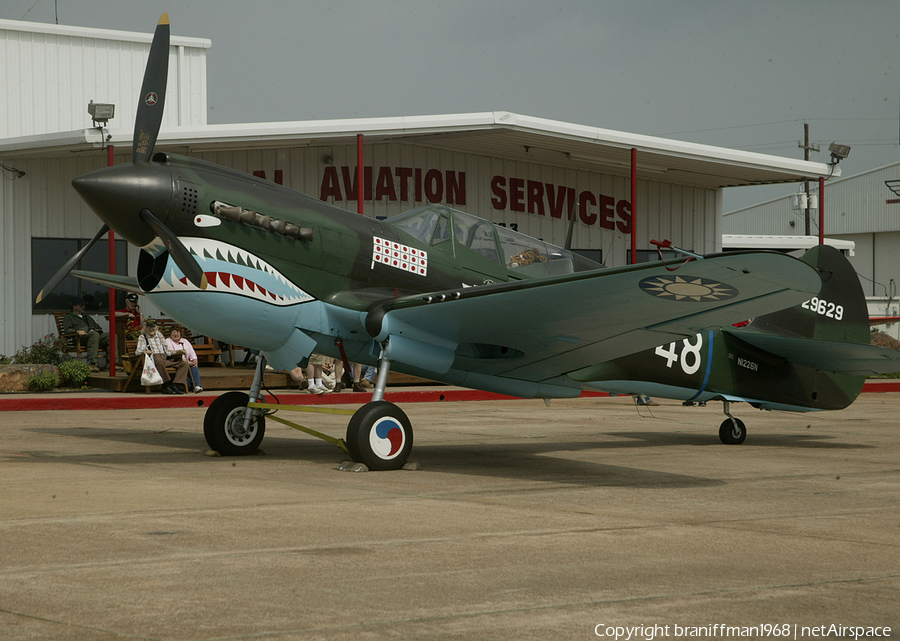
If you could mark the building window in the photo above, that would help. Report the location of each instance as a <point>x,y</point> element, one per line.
<point>48,255</point>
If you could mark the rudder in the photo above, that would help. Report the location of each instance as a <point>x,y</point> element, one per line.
<point>838,313</point>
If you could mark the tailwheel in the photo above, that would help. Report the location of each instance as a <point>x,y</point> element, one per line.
<point>226,430</point>
<point>380,436</point>
<point>732,431</point>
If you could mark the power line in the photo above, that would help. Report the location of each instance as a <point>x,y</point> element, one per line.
<point>774,122</point>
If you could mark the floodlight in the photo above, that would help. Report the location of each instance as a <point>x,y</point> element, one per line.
<point>101,112</point>
<point>838,152</point>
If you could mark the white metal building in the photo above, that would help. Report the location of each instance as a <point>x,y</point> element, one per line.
<point>512,169</point>
<point>864,209</point>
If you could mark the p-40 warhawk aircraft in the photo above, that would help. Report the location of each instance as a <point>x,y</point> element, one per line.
<point>451,297</point>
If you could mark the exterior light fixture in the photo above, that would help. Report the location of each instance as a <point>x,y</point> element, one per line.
<point>838,152</point>
<point>101,112</point>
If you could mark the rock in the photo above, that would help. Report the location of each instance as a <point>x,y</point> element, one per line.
<point>14,378</point>
<point>350,466</point>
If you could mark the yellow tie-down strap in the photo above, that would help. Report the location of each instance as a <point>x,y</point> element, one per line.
<point>339,442</point>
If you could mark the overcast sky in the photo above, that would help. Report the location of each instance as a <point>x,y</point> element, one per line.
<point>734,73</point>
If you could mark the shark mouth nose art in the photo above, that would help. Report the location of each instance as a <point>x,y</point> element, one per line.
<point>230,270</point>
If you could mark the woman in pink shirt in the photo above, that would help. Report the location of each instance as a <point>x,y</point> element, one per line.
<point>176,342</point>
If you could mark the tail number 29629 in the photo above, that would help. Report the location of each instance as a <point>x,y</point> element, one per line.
<point>824,308</point>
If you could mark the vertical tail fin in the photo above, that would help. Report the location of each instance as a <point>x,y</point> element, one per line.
<point>838,313</point>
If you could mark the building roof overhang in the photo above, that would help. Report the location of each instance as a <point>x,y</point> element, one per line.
<point>494,134</point>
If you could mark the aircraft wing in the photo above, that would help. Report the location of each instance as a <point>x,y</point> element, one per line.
<point>539,330</point>
<point>857,359</point>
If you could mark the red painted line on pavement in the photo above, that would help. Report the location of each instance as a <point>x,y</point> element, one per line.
<point>882,385</point>
<point>115,401</point>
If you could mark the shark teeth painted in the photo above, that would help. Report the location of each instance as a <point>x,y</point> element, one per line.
<point>232,270</point>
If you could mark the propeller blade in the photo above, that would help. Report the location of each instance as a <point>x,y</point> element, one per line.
<point>153,94</point>
<point>180,254</point>
<point>65,269</point>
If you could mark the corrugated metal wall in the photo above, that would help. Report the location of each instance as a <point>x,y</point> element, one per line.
<point>876,261</point>
<point>853,205</point>
<point>52,72</point>
<point>772,218</point>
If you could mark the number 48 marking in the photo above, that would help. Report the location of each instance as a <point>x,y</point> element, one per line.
<point>690,354</point>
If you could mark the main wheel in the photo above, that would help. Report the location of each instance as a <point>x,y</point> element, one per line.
<point>732,433</point>
<point>380,435</point>
<point>223,426</point>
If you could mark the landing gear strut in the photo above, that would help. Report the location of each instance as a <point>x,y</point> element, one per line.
<point>732,431</point>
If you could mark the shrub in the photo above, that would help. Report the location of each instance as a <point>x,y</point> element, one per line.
<point>43,381</point>
<point>50,350</point>
<point>74,372</point>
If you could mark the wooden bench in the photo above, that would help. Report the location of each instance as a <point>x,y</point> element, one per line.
<point>73,341</point>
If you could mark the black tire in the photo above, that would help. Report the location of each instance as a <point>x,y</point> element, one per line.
<point>732,433</point>
<point>380,436</point>
<point>223,426</point>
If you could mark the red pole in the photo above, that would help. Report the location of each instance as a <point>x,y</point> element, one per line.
<point>359,173</point>
<point>633,206</point>
<point>821,211</point>
<point>111,239</point>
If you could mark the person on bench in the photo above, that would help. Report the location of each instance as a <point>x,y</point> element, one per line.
<point>175,343</point>
<point>89,332</point>
<point>152,342</point>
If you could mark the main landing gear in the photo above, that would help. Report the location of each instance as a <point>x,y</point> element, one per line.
<point>379,434</point>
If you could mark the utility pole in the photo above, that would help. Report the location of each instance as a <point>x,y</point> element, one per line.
<point>806,148</point>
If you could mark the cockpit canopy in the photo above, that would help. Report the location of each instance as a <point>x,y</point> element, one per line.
<point>522,255</point>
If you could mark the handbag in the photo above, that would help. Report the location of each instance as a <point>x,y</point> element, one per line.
<point>150,375</point>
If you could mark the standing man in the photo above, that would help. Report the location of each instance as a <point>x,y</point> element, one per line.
<point>90,334</point>
<point>131,312</point>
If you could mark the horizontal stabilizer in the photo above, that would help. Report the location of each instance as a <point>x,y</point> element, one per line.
<point>854,359</point>
<point>125,283</point>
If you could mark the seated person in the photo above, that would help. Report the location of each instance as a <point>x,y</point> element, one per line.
<point>90,334</point>
<point>175,343</point>
<point>151,342</point>
<point>314,372</point>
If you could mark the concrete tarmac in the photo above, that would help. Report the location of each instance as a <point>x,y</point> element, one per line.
<point>524,522</point>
